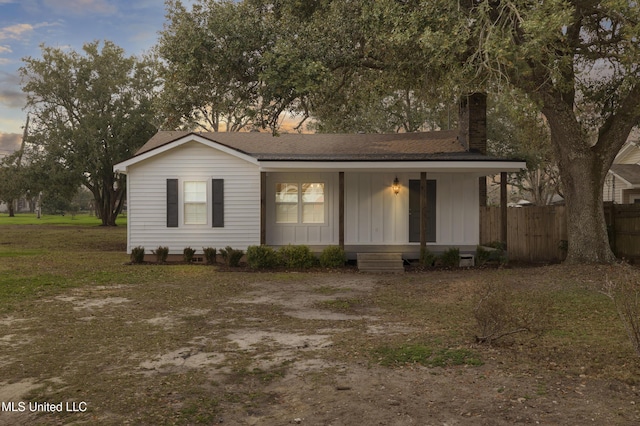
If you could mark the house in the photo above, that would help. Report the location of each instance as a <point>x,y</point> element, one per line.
<point>360,191</point>
<point>622,184</point>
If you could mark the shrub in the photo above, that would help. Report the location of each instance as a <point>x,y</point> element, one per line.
<point>333,257</point>
<point>624,291</point>
<point>426,257</point>
<point>209,255</point>
<point>297,256</point>
<point>499,312</point>
<point>187,254</point>
<point>161,254</point>
<point>262,257</point>
<point>231,256</point>
<point>491,252</point>
<point>137,254</point>
<point>451,258</point>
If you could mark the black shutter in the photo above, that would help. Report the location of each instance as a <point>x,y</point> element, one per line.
<point>172,203</point>
<point>217,197</point>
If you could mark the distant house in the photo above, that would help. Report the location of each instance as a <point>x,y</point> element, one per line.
<point>360,191</point>
<point>622,184</point>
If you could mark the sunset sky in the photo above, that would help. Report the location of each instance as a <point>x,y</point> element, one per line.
<point>26,24</point>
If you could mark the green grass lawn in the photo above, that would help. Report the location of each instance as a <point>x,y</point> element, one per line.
<point>95,351</point>
<point>76,220</point>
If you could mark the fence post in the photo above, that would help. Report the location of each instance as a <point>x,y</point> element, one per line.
<point>612,238</point>
<point>503,208</point>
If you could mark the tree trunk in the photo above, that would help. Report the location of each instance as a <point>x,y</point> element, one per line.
<point>583,168</point>
<point>586,225</point>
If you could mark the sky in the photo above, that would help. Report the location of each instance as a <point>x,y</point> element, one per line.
<point>67,24</point>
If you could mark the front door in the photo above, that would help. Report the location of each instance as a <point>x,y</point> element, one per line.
<point>414,211</point>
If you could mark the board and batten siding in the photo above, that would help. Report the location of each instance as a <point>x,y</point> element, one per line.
<point>374,215</point>
<point>278,234</point>
<point>147,198</point>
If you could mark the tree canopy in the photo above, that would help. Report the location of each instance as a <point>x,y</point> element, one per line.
<point>89,110</point>
<point>577,61</point>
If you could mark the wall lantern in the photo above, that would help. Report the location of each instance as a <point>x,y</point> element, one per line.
<point>396,186</point>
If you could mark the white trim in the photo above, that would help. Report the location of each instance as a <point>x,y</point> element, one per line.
<point>622,179</point>
<point>122,166</point>
<point>481,167</point>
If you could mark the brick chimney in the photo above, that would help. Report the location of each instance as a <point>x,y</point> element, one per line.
<point>473,122</point>
<point>473,132</point>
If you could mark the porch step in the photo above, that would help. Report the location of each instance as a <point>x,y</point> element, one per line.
<point>385,263</point>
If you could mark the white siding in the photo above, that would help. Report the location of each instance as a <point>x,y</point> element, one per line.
<point>374,215</point>
<point>310,234</point>
<point>193,161</point>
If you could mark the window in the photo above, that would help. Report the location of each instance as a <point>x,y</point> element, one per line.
<point>313,203</point>
<point>300,200</point>
<point>287,203</point>
<point>195,203</point>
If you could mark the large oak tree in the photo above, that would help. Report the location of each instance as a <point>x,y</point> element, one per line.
<point>578,61</point>
<point>89,111</point>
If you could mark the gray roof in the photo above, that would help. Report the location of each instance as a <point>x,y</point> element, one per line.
<point>628,172</point>
<point>437,145</point>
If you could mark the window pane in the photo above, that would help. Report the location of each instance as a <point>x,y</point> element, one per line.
<point>286,213</point>
<point>195,192</point>
<point>313,213</point>
<point>195,213</point>
<point>286,193</point>
<point>313,192</point>
<point>195,202</point>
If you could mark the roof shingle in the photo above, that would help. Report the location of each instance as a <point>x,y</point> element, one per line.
<point>331,147</point>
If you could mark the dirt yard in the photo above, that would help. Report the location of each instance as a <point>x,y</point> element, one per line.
<point>199,347</point>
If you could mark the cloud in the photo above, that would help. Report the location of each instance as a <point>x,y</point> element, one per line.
<point>21,31</point>
<point>5,49</point>
<point>15,32</point>
<point>81,7</point>
<point>10,93</point>
<point>9,142</point>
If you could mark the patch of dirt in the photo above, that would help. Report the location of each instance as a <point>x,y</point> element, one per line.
<point>277,352</point>
<point>92,303</point>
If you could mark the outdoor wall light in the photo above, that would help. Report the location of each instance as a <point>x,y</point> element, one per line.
<point>396,186</point>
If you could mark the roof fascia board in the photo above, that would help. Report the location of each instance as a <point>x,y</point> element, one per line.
<point>483,167</point>
<point>122,166</point>
<point>617,176</point>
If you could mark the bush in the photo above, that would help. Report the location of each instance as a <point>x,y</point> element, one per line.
<point>491,252</point>
<point>426,257</point>
<point>231,256</point>
<point>499,312</point>
<point>333,257</point>
<point>624,291</point>
<point>187,254</point>
<point>137,254</point>
<point>161,254</point>
<point>299,257</point>
<point>209,255</point>
<point>262,257</point>
<point>483,255</point>
<point>451,258</point>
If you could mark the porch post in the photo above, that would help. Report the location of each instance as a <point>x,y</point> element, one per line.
<point>423,214</point>
<point>503,208</point>
<point>341,209</point>
<point>263,208</point>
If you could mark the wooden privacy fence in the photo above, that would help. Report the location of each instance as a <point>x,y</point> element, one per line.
<point>539,234</point>
<point>623,223</point>
<point>534,234</point>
